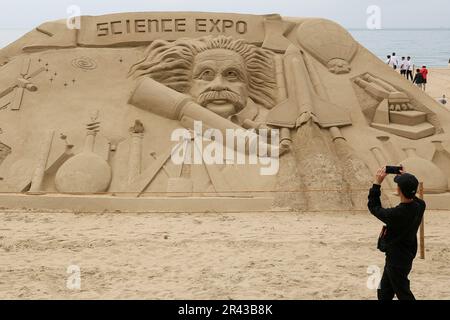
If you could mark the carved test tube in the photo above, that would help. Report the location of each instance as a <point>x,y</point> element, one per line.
<point>280,78</point>
<point>285,136</point>
<point>38,176</point>
<point>378,156</point>
<point>342,148</point>
<point>438,145</point>
<point>336,134</point>
<point>389,147</point>
<point>410,152</point>
<point>90,141</point>
<point>91,132</point>
<point>285,133</point>
<point>134,162</point>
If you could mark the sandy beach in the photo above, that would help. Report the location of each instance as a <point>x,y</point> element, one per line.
<point>266,255</point>
<point>439,83</point>
<point>206,256</point>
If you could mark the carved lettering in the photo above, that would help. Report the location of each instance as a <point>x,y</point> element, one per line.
<point>122,27</point>
<point>180,25</point>
<point>200,25</point>
<point>128,26</point>
<point>241,27</point>
<point>227,24</point>
<point>164,27</point>
<point>115,30</point>
<point>139,25</point>
<point>214,25</point>
<point>102,29</point>
<point>156,24</point>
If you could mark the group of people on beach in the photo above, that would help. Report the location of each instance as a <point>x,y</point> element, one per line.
<point>420,79</point>
<point>406,67</point>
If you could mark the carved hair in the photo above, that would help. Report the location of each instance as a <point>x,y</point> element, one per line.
<point>171,64</point>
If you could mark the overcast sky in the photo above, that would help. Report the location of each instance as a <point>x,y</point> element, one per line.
<point>26,14</point>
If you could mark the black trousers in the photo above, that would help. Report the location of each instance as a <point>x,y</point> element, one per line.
<point>395,282</point>
<point>409,75</point>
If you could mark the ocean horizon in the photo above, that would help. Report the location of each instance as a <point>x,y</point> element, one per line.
<point>425,46</point>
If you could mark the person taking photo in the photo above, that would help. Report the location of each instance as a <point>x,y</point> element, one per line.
<point>399,236</point>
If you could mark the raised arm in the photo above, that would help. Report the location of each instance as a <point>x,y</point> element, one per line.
<point>374,204</point>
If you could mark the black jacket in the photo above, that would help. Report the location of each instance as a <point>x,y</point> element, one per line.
<point>402,223</point>
<point>418,79</point>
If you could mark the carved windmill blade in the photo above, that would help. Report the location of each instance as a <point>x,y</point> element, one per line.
<point>21,84</point>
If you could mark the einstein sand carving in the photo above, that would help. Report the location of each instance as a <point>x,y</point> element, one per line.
<point>305,98</point>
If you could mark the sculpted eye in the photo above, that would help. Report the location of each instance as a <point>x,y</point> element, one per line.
<point>232,75</point>
<point>207,75</point>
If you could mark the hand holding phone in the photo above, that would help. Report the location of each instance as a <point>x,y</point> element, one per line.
<point>394,169</point>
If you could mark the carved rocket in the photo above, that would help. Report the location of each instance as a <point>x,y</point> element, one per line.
<point>303,103</point>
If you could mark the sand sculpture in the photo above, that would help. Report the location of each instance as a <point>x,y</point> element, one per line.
<point>87,115</point>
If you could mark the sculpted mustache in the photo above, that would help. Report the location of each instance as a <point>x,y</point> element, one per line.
<point>211,95</point>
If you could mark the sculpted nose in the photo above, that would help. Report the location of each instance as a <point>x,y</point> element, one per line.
<point>218,83</point>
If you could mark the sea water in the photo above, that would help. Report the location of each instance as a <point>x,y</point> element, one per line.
<point>430,47</point>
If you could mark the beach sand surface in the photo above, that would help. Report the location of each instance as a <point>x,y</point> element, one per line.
<point>439,83</point>
<point>267,255</point>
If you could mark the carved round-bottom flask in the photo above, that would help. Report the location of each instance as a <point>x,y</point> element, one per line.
<point>86,172</point>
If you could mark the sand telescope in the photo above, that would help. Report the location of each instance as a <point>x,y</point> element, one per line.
<point>155,97</point>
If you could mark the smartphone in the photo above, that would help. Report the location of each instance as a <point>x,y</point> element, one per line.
<point>393,169</point>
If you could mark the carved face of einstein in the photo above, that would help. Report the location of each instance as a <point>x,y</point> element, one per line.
<point>219,81</point>
<point>220,73</point>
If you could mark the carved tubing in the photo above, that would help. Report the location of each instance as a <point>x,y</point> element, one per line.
<point>134,163</point>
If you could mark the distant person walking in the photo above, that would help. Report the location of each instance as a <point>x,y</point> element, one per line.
<point>418,79</point>
<point>424,72</point>
<point>403,67</point>
<point>409,70</point>
<point>394,61</point>
<point>388,60</point>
